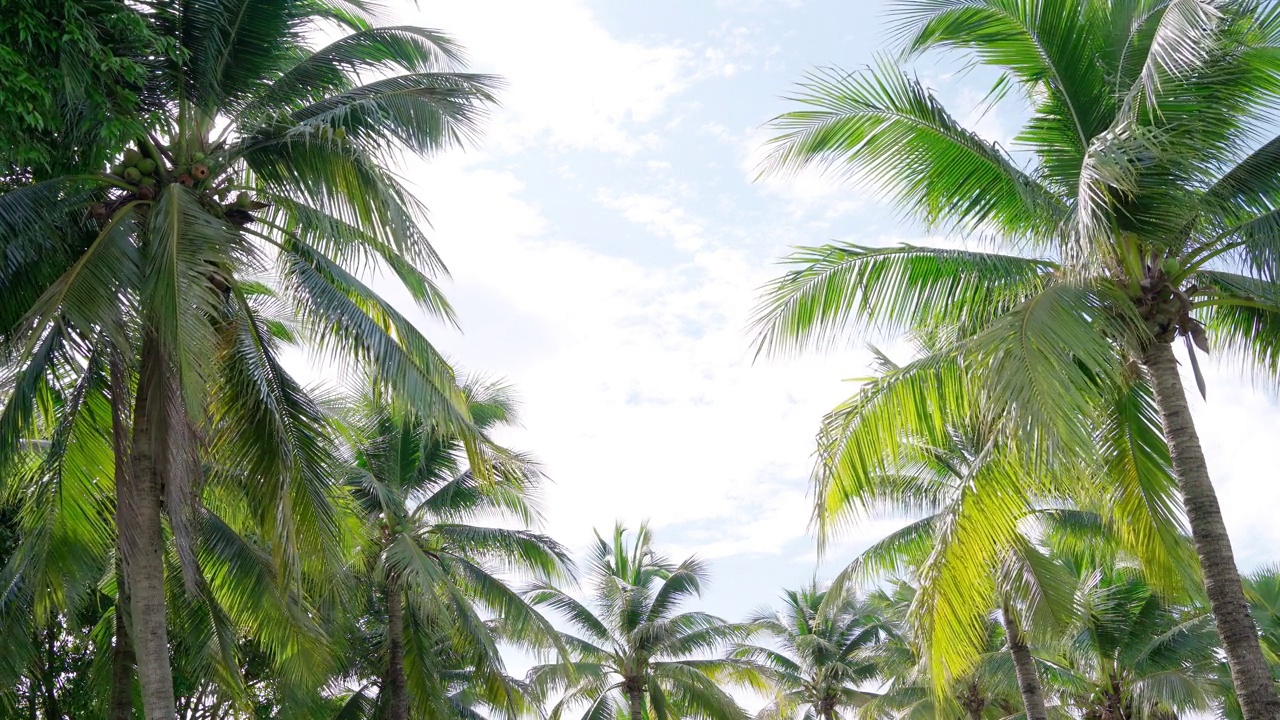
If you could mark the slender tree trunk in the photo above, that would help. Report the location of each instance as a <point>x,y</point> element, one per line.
<point>1239,635</point>
<point>121,701</point>
<point>49,678</point>
<point>122,666</point>
<point>1024,667</point>
<point>636,701</point>
<point>142,540</point>
<point>398,708</point>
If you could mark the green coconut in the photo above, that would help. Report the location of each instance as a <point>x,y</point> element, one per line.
<point>146,166</point>
<point>147,181</point>
<point>243,199</point>
<point>132,157</point>
<point>132,174</point>
<point>117,169</point>
<point>1170,266</point>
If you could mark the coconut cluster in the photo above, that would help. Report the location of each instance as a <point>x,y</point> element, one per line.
<point>1166,308</point>
<point>141,175</point>
<point>139,171</point>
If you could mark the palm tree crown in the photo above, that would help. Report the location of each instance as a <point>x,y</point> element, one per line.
<point>1131,653</point>
<point>633,652</point>
<point>817,659</point>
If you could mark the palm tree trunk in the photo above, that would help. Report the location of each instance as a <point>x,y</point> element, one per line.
<point>121,707</point>
<point>121,701</point>
<point>636,702</point>
<point>1024,667</point>
<point>49,682</point>
<point>142,541</point>
<point>1239,635</point>
<point>398,707</point>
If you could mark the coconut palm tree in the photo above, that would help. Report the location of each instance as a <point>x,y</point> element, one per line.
<point>428,570</point>
<point>1132,654</point>
<point>632,652</point>
<point>907,690</point>
<point>1141,210</point>
<point>815,660</point>
<point>978,500</point>
<point>265,174</point>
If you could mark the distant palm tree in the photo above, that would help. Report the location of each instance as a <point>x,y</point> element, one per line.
<point>1145,212</point>
<point>632,652</point>
<point>907,689</point>
<point>1132,654</point>
<point>816,659</point>
<point>264,180</point>
<point>429,570</point>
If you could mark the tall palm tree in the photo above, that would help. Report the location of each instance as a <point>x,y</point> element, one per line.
<point>633,653</point>
<point>429,571</point>
<point>1142,211</point>
<point>816,659</point>
<point>266,162</point>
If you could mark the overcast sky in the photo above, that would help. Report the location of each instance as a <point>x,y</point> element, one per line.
<point>607,240</point>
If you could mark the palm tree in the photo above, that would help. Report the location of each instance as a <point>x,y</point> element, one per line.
<point>635,654</point>
<point>1132,654</point>
<point>263,179</point>
<point>976,496</point>
<point>909,691</point>
<point>428,570</point>
<point>816,659</point>
<point>1143,205</point>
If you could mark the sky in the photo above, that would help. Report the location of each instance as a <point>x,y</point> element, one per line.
<point>607,239</point>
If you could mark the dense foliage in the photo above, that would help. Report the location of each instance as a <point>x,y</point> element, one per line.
<point>188,530</point>
<point>71,75</point>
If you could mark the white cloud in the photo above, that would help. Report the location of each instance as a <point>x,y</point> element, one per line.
<point>570,82</point>
<point>640,392</point>
<point>734,49</point>
<point>759,5</point>
<point>659,215</point>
